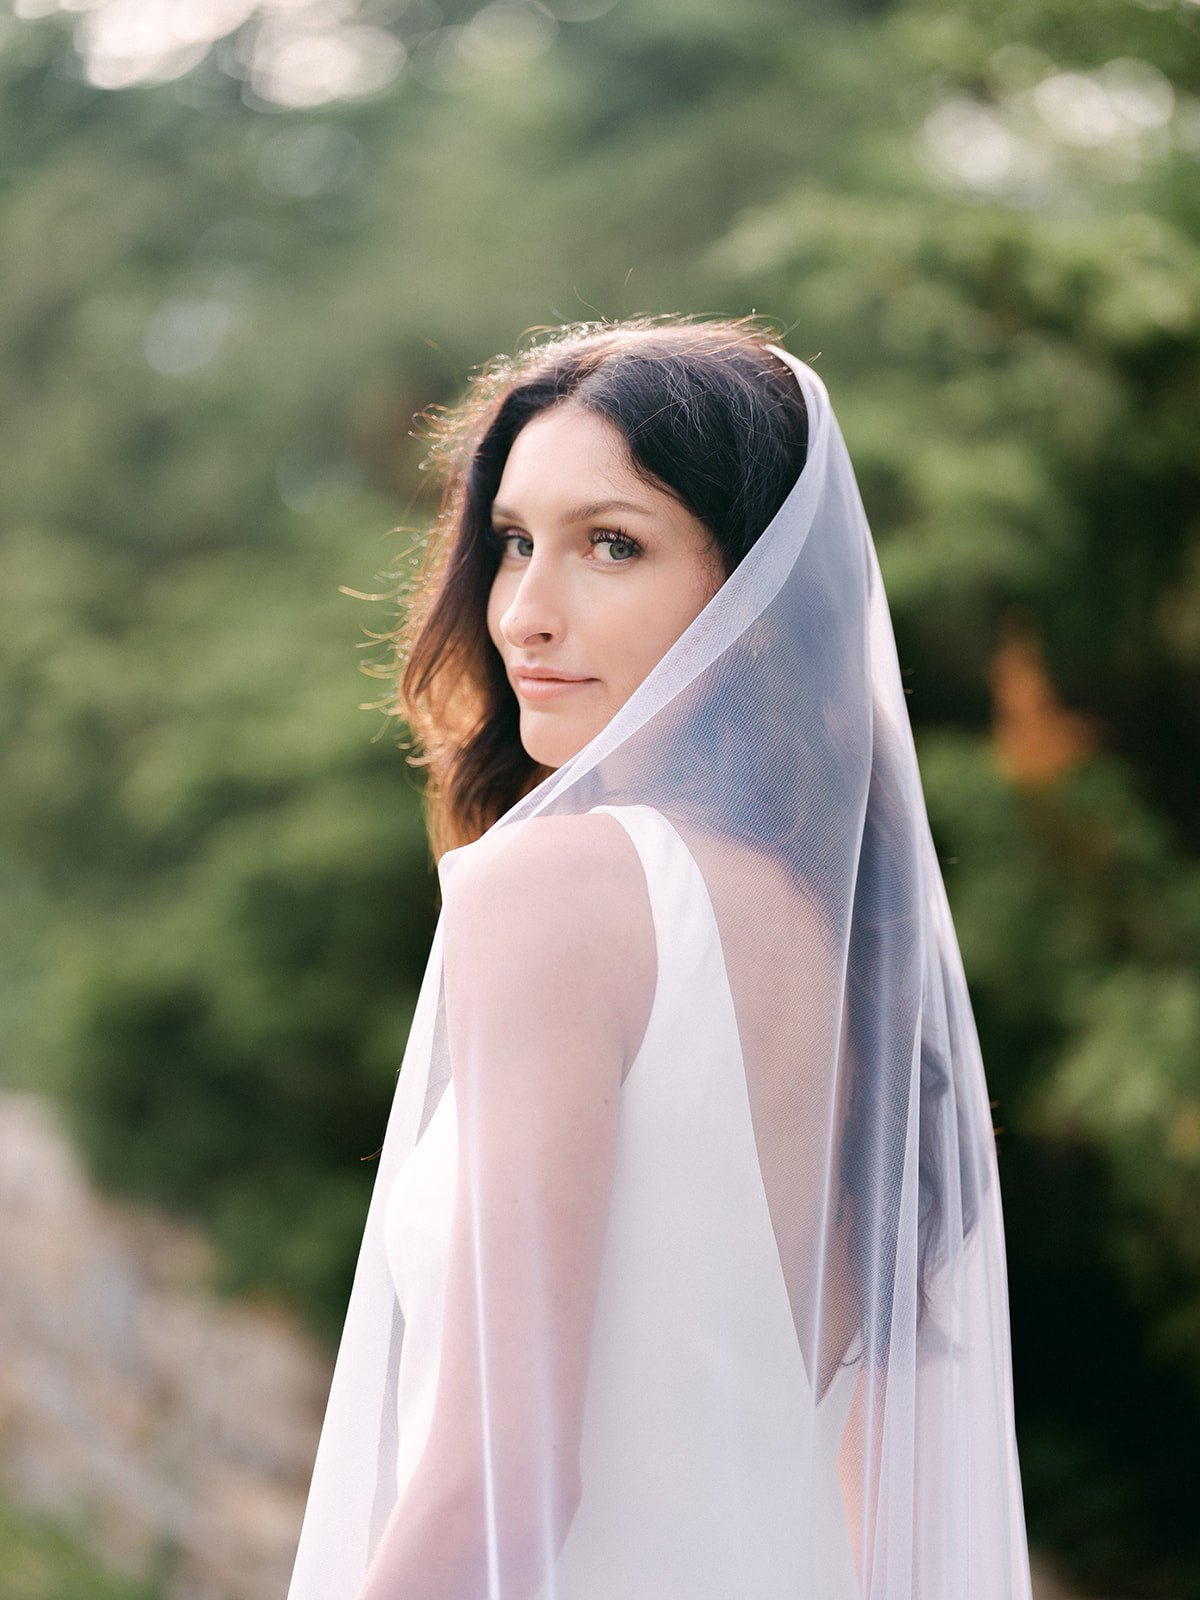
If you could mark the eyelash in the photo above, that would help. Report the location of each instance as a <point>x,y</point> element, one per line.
<point>619,536</point>
<point>602,536</point>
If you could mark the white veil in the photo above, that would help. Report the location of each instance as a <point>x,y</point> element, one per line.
<point>774,738</point>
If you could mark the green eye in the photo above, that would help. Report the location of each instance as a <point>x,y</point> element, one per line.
<point>502,536</point>
<point>614,536</point>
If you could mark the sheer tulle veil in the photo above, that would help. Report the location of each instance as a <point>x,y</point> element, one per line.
<point>774,736</point>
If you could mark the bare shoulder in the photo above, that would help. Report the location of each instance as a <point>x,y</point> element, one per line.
<point>561,904</point>
<point>560,865</point>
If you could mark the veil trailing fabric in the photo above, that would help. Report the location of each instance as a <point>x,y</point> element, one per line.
<point>769,754</point>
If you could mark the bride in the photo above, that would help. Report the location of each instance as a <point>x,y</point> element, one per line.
<point>684,1269</point>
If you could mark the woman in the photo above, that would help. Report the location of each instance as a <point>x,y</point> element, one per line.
<point>684,1271</point>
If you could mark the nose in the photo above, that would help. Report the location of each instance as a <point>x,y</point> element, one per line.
<point>536,610</point>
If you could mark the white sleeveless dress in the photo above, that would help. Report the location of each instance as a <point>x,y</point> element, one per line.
<point>701,1452</point>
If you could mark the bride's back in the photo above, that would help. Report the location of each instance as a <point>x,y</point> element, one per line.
<point>785,979</point>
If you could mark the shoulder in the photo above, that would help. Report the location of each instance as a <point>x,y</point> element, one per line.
<point>561,905</point>
<point>557,865</point>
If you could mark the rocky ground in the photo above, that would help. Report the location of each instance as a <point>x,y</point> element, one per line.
<point>183,1424</point>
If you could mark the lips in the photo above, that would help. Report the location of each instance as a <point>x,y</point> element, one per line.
<point>532,686</point>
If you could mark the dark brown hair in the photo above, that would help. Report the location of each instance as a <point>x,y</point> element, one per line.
<point>707,412</point>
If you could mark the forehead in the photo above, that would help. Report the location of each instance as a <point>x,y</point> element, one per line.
<point>558,446</point>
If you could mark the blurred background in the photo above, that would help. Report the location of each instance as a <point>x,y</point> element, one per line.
<point>242,242</point>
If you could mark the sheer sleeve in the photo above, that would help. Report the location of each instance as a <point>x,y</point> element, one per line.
<point>549,974</point>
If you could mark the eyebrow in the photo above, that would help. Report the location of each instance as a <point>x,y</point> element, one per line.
<point>580,513</point>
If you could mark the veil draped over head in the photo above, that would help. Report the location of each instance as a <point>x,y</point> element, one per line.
<point>773,740</point>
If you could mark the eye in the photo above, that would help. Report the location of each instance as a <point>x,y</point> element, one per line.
<point>501,536</point>
<point>616,539</point>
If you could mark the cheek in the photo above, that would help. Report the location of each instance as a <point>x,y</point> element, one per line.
<point>648,628</point>
<point>680,603</point>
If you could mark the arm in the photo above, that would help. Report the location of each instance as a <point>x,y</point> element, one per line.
<point>859,1461</point>
<point>549,972</point>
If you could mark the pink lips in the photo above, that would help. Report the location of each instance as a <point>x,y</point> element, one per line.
<point>542,688</point>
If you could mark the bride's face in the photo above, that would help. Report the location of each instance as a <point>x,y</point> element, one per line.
<point>600,572</point>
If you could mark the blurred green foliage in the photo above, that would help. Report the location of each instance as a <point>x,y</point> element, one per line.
<point>218,324</point>
<point>44,1559</point>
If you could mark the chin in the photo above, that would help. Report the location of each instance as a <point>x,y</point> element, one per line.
<point>552,747</point>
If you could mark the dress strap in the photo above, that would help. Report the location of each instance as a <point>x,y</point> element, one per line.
<point>686,935</point>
